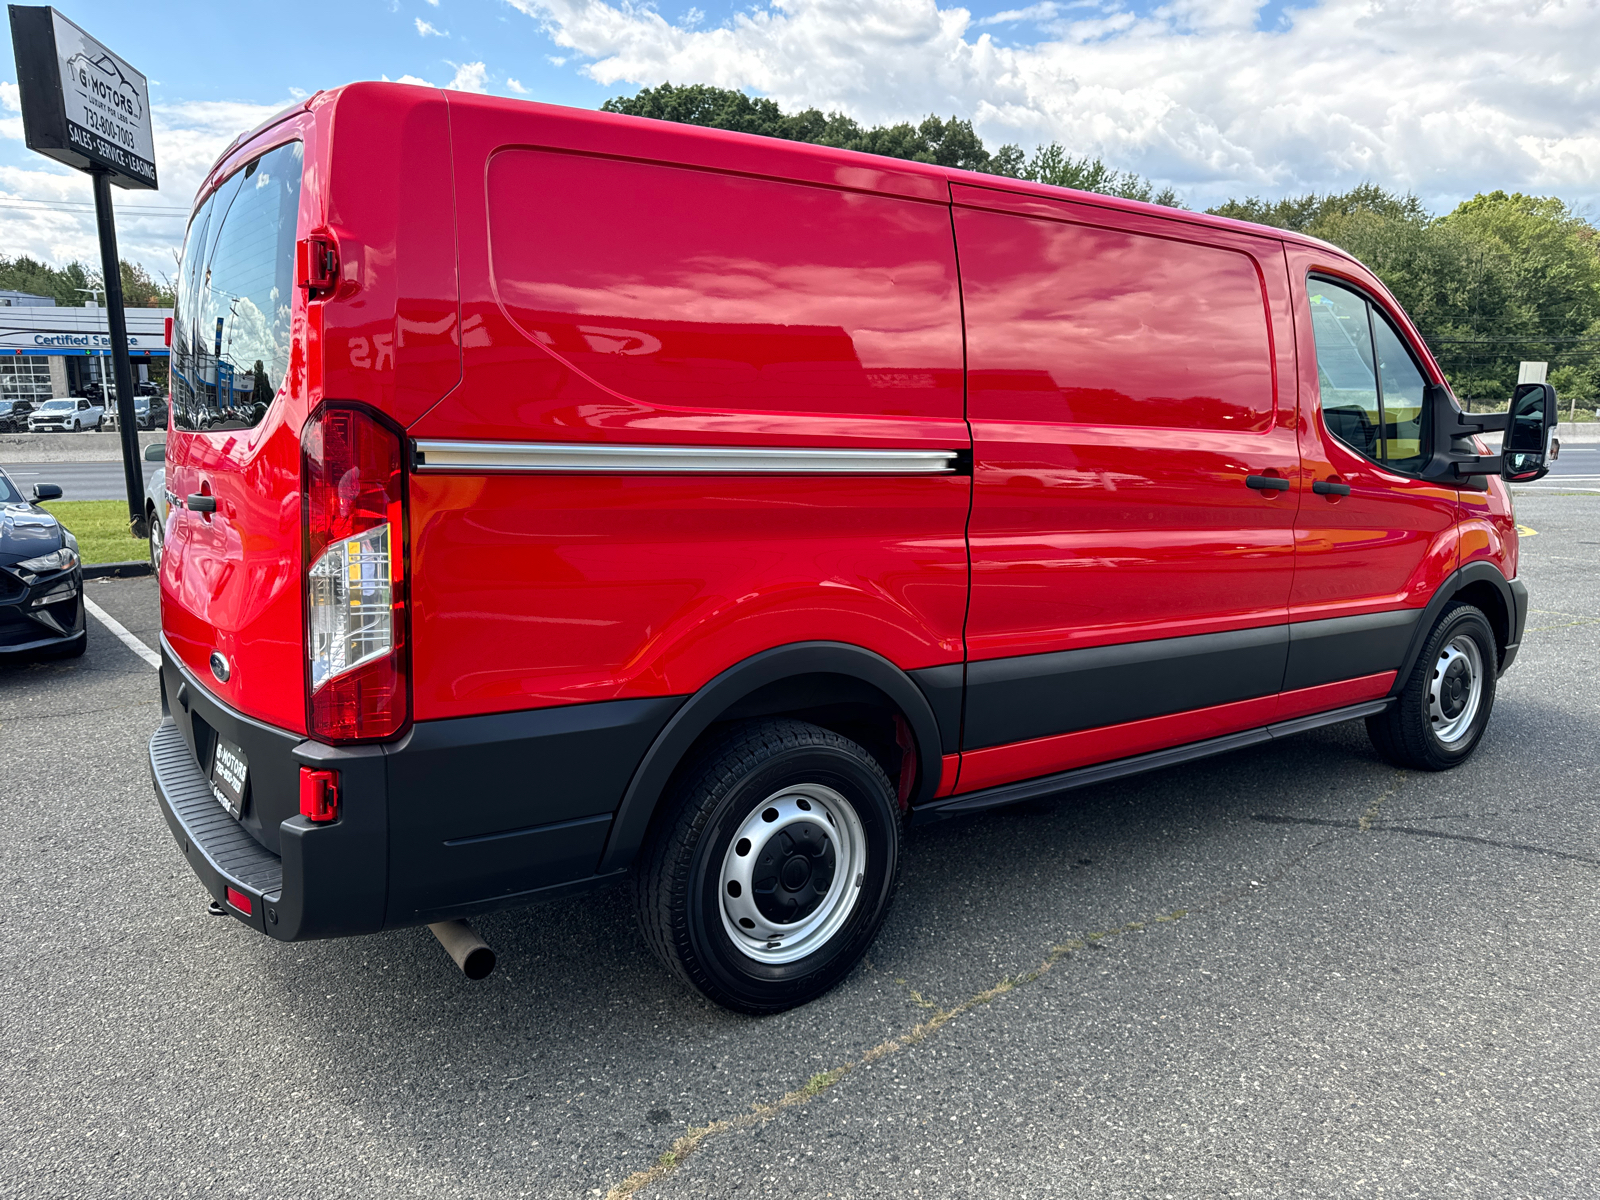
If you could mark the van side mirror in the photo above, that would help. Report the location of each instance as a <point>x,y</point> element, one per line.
<point>1527,426</point>
<point>46,491</point>
<point>155,452</point>
<point>1526,446</point>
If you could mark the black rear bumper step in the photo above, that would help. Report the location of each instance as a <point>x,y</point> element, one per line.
<point>221,853</point>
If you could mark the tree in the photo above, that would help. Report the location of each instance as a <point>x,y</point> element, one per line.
<point>947,143</point>
<point>1500,280</point>
<point>69,286</point>
<point>1053,165</point>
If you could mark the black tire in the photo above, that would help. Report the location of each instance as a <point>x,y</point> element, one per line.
<point>1418,733</point>
<point>731,786</point>
<point>156,537</point>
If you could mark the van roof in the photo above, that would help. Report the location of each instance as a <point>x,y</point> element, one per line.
<point>878,165</point>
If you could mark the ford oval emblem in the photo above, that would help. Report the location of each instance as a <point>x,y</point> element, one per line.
<point>219,667</point>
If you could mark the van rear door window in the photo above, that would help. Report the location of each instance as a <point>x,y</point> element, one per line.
<point>230,339</point>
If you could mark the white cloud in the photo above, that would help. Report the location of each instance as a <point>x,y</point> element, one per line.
<point>10,97</point>
<point>1434,95</point>
<point>516,87</point>
<point>426,30</point>
<point>188,139</point>
<point>1034,12</point>
<point>469,77</point>
<point>415,80</point>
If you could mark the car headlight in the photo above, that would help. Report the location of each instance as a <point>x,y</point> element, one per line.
<point>63,559</point>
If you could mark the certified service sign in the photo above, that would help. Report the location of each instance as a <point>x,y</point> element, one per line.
<point>81,104</point>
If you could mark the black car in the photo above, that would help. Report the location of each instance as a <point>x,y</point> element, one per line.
<point>14,415</point>
<point>41,579</point>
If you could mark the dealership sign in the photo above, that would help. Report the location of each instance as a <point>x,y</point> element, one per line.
<point>55,343</point>
<point>81,104</point>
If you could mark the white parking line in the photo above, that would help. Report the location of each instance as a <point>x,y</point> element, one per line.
<point>121,634</point>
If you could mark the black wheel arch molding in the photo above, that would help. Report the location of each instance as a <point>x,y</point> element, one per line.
<point>850,665</point>
<point>1503,601</point>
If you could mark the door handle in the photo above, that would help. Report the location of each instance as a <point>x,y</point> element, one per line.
<point>1327,487</point>
<point>1266,483</point>
<point>199,502</point>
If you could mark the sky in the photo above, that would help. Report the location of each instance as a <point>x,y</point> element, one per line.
<point>1219,98</point>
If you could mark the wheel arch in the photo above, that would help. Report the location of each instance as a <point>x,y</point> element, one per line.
<point>1482,585</point>
<point>796,680</point>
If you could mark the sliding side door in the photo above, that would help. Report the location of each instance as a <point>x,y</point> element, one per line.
<point>1136,482</point>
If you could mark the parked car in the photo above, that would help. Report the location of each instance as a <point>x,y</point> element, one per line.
<point>150,411</point>
<point>67,415</point>
<point>157,504</point>
<point>14,415</point>
<point>728,528</point>
<point>41,579</point>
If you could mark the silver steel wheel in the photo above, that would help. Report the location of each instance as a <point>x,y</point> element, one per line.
<point>157,541</point>
<point>1455,690</point>
<point>792,874</point>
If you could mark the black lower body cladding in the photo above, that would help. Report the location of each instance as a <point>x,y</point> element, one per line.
<point>1038,695</point>
<point>459,816</point>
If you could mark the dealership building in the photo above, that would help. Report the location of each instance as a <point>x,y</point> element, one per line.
<point>47,351</point>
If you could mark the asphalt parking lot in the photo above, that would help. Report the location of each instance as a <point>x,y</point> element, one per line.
<point>1293,970</point>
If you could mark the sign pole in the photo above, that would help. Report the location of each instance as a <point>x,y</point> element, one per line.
<point>121,367</point>
<point>87,107</point>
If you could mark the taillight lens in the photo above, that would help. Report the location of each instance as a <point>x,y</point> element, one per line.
<point>356,663</point>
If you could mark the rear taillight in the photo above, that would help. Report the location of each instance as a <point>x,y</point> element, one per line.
<point>356,665</point>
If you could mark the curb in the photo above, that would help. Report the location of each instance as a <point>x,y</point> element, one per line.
<point>117,570</point>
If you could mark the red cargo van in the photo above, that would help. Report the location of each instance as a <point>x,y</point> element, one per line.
<point>562,496</point>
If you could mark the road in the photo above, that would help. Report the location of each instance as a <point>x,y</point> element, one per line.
<point>1578,466</point>
<point>1293,970</point>
<point>77,480</point>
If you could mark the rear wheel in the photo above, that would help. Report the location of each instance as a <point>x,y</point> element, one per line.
<point>1441,714</point>
<point>773,867</point>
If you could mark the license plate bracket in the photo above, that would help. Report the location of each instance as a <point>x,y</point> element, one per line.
<point>229,775</point>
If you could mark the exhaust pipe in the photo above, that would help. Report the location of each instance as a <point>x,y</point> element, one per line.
<point>463,944</point>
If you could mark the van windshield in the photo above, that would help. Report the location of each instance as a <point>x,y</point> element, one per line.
<point>230,335</point>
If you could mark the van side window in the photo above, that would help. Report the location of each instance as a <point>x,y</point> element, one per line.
<point>1372,389</point>
<point>1402,389</point>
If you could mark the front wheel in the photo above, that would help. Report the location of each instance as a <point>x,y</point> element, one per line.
<point>157,534</point>
<point>773,866</point>
<point>1440,715</point>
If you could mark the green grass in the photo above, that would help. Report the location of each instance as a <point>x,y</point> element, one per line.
<point>101,527</point>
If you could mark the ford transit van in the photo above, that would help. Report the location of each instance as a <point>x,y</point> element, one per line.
<point>562,497</point>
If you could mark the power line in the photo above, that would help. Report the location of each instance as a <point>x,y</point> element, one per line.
<point>77,206</point>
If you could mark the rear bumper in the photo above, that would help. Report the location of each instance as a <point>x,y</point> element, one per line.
<point>458,817</point>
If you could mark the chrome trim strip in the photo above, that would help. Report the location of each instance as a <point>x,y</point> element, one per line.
<point>676,460</point>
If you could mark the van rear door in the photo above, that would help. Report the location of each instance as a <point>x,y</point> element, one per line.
<point>230,576</point>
